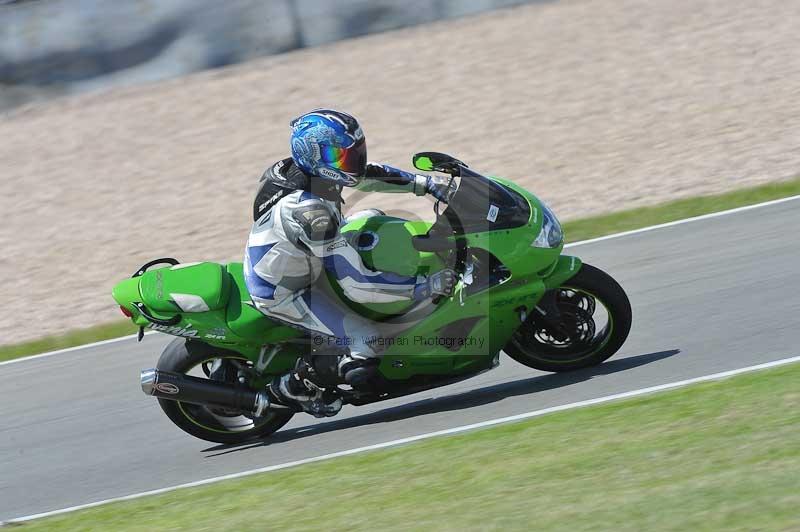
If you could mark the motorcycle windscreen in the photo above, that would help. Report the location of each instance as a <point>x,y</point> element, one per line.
<point>482,204</point>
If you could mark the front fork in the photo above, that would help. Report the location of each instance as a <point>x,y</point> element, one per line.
<point>548,314</point>
<point>546,309</point>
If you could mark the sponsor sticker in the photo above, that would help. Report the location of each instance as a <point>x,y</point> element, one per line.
<point>492,215</point>
<point>186,332</point>
<point>167,387</point>
<point>271,201</point>
<point>336,245</point>
<point>329,174</point>
<point>335,175</point>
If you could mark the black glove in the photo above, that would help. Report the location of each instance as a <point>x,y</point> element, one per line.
<point>441,283</point>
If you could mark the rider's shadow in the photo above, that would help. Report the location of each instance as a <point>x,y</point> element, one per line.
<point>460,401</point>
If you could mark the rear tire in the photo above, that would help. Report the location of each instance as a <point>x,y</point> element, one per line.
<point>203,422</point>
<point>590,283</point>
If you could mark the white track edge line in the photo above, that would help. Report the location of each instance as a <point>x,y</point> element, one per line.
<point>401,441</point>
<point>684,221</point>
<point>73,348</point>
<point>573,244</point>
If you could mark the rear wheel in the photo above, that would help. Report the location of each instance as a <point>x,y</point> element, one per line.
<point>593,320</point>
<point>217,424</point>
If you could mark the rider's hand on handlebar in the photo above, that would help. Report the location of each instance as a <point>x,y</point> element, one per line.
<point>439,187</point>
<point>441,283</point>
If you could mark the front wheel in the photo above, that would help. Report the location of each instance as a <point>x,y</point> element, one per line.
<point>585,322</point>
<point>216,424</point>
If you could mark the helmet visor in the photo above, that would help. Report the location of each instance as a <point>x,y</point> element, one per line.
<point>352,160</point>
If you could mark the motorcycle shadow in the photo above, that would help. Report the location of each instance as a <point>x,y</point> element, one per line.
<point>458,401</point>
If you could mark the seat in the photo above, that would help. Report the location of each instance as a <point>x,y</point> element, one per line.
<point>195,287</point>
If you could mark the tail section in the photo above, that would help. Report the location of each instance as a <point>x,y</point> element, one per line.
<point>171,299</point>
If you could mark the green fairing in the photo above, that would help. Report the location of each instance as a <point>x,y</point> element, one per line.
<point>126,292</point>
<point>394,251</point>
<point>563,270</point>
<point>161,290</point>
<point>484,319</point>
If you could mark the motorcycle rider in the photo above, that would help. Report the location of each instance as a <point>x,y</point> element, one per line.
<point>295,236</point>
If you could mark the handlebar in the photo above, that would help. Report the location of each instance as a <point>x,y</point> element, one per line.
<point>443,243</point>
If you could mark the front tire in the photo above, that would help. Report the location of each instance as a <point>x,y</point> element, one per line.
<point>206,422</point>
<point>576,343</point>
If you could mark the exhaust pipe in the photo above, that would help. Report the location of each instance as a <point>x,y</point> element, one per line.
<point>188,389</point>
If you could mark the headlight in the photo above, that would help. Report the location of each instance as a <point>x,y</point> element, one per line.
<point>551,235</point>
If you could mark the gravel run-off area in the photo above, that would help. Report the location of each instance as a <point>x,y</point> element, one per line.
<point>596,105</point>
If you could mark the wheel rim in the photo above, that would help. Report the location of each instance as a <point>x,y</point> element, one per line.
<point>586,327</point>
<point>218,419</point>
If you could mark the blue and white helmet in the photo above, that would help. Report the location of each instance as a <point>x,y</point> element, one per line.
<point>330,145</point>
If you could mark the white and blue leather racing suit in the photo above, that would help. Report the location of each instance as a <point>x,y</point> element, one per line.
<point>296,236</point>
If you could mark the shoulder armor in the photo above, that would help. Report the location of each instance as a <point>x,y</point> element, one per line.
<point>316,219</point>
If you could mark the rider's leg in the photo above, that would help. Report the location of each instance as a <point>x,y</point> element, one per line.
<point>334,329</point>
<point>354,337</point>
<point>363,340</point>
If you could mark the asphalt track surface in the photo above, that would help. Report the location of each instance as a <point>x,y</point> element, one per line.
<point>708,296</point>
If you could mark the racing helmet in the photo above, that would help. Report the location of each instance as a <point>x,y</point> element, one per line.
<point>330,145</point>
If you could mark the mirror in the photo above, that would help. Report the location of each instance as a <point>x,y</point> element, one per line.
<point>430,161</point>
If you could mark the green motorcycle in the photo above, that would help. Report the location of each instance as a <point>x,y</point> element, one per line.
<point>516,293</point>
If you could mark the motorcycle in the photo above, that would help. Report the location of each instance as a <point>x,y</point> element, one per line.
<point>515,293</point>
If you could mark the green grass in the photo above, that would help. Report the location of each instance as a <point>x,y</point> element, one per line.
<point>575,230</point>
<point>72,338</point>
<point>716,456</point>
<point>676,210</point>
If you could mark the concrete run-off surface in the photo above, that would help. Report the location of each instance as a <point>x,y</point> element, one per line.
<point>595,105</point>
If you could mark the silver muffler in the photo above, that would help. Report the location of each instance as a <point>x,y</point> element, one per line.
<point>188,389</point>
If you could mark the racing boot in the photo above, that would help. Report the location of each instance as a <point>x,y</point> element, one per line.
<point>358,371</point>
<point>296,389</point>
